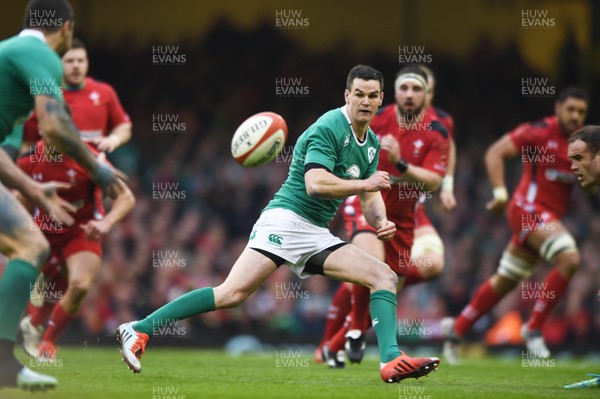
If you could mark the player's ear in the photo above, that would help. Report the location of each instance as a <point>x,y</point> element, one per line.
<point>557,107</point>
<point>381,99</point>
<point>346,95</point>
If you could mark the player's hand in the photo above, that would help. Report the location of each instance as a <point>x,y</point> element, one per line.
<point>96,229</point>
<point>392,146</point>
<point>378,181</point>
<point>111,180</point>
<point>46,197</point>
<point>496,206</point>
<point>106,144</point>
<point>448,200</point>
<point>387,231</point>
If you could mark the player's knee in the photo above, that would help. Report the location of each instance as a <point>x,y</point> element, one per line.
<point>33,247</point>
<point>433,266</point>
<point>568,262</point>
<point>382,277</point>
<point>233,298</point>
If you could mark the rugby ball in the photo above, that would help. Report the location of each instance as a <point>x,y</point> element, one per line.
<point>259,139</point>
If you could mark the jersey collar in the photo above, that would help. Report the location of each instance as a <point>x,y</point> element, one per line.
<point>345,113</point>
<point>68,87</point>
<point>34,33</point>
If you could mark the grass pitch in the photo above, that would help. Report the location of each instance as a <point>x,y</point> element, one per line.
<point>191,373</point>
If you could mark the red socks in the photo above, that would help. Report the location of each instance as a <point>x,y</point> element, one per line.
<point>58,321</point>
<point>485,299</point>
<point>39,316</point>
<point>553,289</point>
<point>360,315</point>
<point>336,315</point>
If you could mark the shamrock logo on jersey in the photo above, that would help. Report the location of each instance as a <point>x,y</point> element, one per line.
<point>371,153</point>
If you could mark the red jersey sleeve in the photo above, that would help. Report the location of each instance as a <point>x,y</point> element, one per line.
<point>445,119</point>
<point>436,158</point>
<point>522,136</point>
<point>31,129</point>
<point>449,125</point>
<point>116,113</point>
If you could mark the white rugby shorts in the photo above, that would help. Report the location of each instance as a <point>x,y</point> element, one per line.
<point>290,236</point>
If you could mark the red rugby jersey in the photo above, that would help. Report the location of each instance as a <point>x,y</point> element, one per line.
<point>46,166</point>
<point>547,178</point>
<point>95,109</point>
<point>423,144</point>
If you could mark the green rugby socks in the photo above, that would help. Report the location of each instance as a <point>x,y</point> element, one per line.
<point>15,289</point>
<point>383,317</point>
<point>194,302</point>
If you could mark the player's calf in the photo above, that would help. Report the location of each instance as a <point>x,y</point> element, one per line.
<point>567,263</point>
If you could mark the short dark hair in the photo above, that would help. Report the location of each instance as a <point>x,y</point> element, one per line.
<point>572,92</point>
<point>77,44</point>
<point>590,135</point>
<point>47,15</point>
<point>364,72</point>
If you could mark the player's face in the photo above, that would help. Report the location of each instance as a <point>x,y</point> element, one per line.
<point>585,164</point>
<point>410,98</point>
<point>75,66</point>
<point>571,114</point>
<point>363,100</point>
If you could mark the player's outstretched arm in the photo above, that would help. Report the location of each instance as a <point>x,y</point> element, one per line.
<point>120,135</point>
<point>123,204</point>
<point>431,181</point>
<point>320,183</point>
<point>495,156</point>
<point>374,211</point>
<point>58,128</point>
<point>447,193</point>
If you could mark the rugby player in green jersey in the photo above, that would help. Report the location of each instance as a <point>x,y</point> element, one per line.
<point>334,158</point>
<point>584,153</point>
<point>30,78</point>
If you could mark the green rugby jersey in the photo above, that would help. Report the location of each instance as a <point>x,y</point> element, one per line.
<point>331,143</point>
<point>28,67</point>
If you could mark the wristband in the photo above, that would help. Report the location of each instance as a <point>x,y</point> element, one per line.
<point>448,183</point>
<point>402,165</point>
<point>500,194</point>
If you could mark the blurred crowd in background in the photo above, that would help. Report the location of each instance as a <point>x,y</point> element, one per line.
<point>169,246</point>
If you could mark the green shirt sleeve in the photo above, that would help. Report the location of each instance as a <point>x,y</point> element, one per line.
<point>14,140</point>
<point>321,147</point>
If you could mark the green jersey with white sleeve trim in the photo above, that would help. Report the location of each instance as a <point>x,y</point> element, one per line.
<point>331,143</point>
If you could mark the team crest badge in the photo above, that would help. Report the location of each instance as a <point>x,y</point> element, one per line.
<point>371,153</point>
<point>353,171</point>
<point>95,97</point>
<point>418,144</point>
